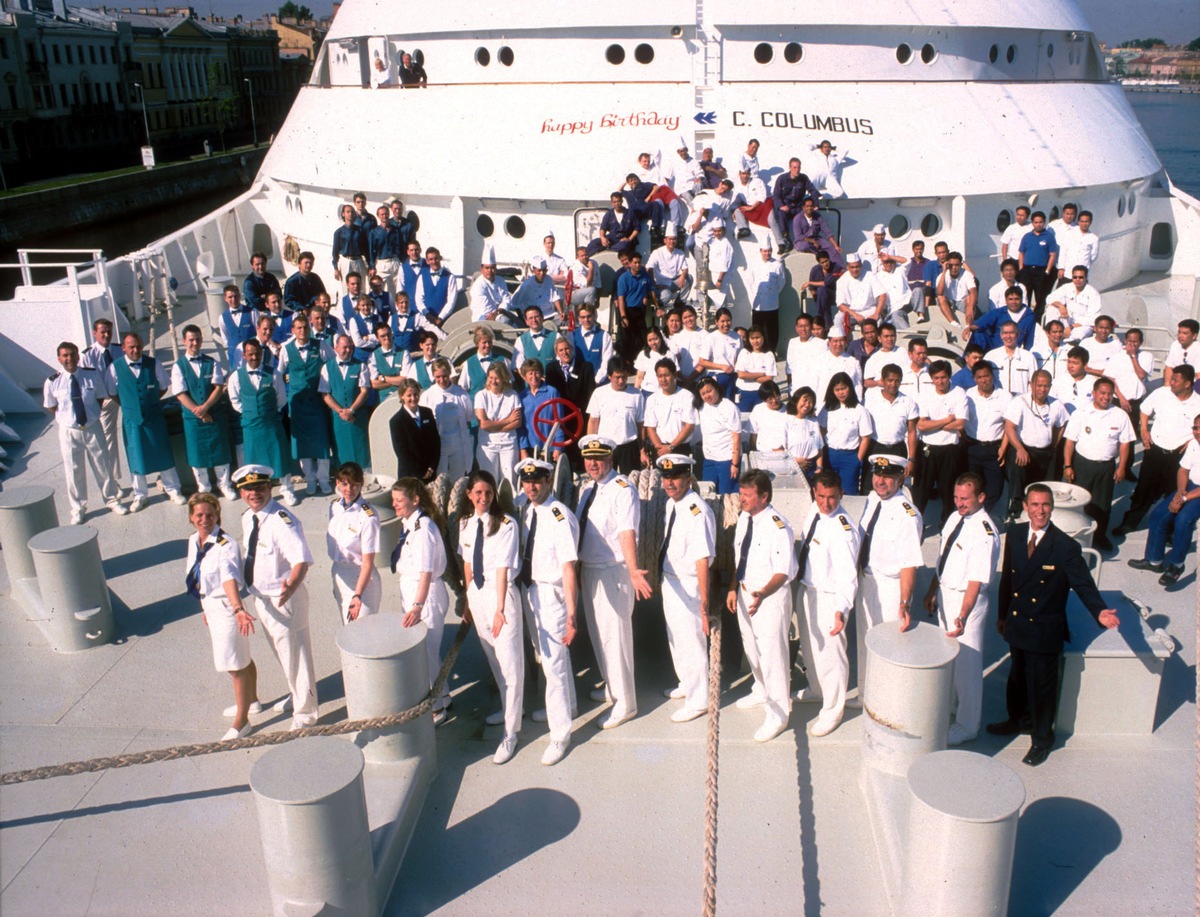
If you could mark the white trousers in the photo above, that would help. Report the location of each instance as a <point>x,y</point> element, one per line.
<point>345,578</point>
<point>455,464</point>
<point>433,616</point>
<point>387,269</point>
<point>764,640</point>
<point>79,449</point>
<point>288,633</point>
<point>685,636</point>
<point>110,423</point>
<point>608,606</point>
<point>170,483</point>
<point>968,666</point>
<point>548,614</point>
<point>505,653</point>
<point>497,458</point>
<point>878,601</point>
<point>204,483</point>
<point>825,654</point>
<point>314,470</point>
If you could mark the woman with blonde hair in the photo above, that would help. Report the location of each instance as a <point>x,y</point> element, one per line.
<point>498,411</point>
<point>352,540</point>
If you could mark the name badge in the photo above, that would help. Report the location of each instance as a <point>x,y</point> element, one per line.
<point>1048,566</point>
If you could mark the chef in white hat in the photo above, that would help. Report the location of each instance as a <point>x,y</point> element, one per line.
<point>489,296</point>
<point>878,248</point>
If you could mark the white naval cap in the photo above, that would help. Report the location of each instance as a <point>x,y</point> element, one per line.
<point>890,466</point>
<point>596,446</point>
<point>533,469</point>
<point>251,475</point>
<point>675,465</point>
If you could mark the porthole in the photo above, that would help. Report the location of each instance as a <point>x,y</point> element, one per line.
<point>1053,215</point>
<point>483,57</point>
<point>994,53</point>
<point>1011,56</point>
<point>505,56</point>
<point>928,54</point>
<point>1120,207</point>
<point>1050,50</point>
<point>931,225</point>
<point>484,225</point>
<point>793,52</point>
<point>515,227</point>
<point>1003,220</point>
<point>904,53</point>
<point>615,55</point>
<point>1132,203</point>
<point>898,226</point>
<point>643,53</point>
<point>763,52</point>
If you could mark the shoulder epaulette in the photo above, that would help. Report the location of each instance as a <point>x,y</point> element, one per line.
<point>779,523</point>
<point>908,508</point>
<point>368,509</point>
<point>695,509</point>
<point>987,527</point>
<point>222,540</point>
<point>845,522</point>
<point>283,514</point>
<point>508,520</point>
<point>85,369</point>
<point>558,514</point>
<point>53,376</point>
<point>417,525</point>
<point>622,482</point>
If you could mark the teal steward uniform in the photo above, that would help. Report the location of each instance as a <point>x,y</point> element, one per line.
<point>349,439</point>
<point>306,408</point>
<point>207,443</point>
<point>263,438</point>
<point>388,364</point>
<point>140,389</point>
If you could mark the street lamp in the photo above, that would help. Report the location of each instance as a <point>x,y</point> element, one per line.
<point>253,121</point>
<point>145,117</point>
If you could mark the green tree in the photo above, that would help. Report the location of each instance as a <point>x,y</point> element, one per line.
<point>1194,44</point>
<point>1144,44</point>
<point>291,10</point>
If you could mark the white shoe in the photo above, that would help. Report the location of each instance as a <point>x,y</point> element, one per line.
<point>237,733</point>
<point>495,719</point>
<point>77,518</point>
<point>958,734</point>
<point>136,504</point>
<point>539,716</point>
<point>599,694</point>
<point>287,498</point>
<point>283,705</point>
<point>325,488</point>
<point>768,730</point>
<point>687,714</point>
<point>750,701</point>
<point>854,703</point>
<point>508,748</point>
<point>612,721</point>
<point>228,492</point>
<point>177,498</point>
<point>255,709</point>
<point>824,724</point>
<point>809,696</point>
<point>440,717</point>
<point>555,752</point>
<point>118,509</point>
<point>297,724</point>
<point>675,693</point>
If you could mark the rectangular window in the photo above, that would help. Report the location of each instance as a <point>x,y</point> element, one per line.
<point>92,53</point>
<point>62,94</point>
<point>3,49</point>
<point>70,55</point>
<point>103,55</point>
<point>12,96</point>
<point>75,93</point>
<point>56,58</point>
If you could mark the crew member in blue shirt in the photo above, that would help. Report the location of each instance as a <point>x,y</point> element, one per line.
<point>635,290</point>
<point>301,289</point>
<point>349,246</point>
<point>385,249</point>
<point>791,188</point>
<point>259,283</point>
<point>1038,254</point>
<point>238,323</point>
<point>618,229</point>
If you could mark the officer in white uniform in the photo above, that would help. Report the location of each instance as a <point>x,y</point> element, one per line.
<point>967,558</point>
<point>352,542</point>
<point>548,578</point>
<point>761,597</point>
<point>100,355</point>
<point>609,513</point>
<point>489,543</point>
<point>76,397</point>
<point>689,547</point>
<point>828,570</point>
<point>888,556</point>
<point>277,559</point>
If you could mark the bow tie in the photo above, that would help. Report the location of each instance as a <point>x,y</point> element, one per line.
<point>343,362</point>
<point>537,334</point>
<point>254,372</point>
<point>195,359</point>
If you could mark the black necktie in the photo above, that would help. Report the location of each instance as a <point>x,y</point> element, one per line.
<point>399,547</point>
<point>477,556</point>
<point>803,558</point>
<point>77,402</point>
<point>949,544</point>
<point>583,517</point>
<point>525,577</point>
<point>662,552</point>
<point>744,553</point>
<point>864,552</point>
<point>193,577</point>
<point>106,359</point>
<point>251,550</point>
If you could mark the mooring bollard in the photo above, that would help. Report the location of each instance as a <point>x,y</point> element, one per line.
<point>74,593</point>
<point>386,670</point>
<point>962,833</point>
<point>24,512</point>
<point>312,817</point>
<point>907,704</point>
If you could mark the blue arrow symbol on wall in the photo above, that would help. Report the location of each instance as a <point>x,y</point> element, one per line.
<point>706,117</point>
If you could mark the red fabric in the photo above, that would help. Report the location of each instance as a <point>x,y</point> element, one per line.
<point>662,193</point>
<point>759,214</point>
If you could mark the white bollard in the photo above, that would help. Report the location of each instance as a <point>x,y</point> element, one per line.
<point>312,817</point>
<point>74,592</point>
<point>909,686</point>
<point>24,512</point>
<point>962,833</point>
<point>386,670</point>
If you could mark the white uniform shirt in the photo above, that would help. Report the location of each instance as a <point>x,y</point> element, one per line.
<point>667,414</point>
<point>803,438</point>
<point>881,358</point>
<point>1083,308</point>
<point>664,266</point>
<point>93,356</point>
<point>1078,248</point>
<point>749,163</point>
<point>453,413</point>
<point>938,407</point>
<point>322,347</point>
<point>644,364</point>
<point>556,265</point>
<point>720,257</point>
<point>606,347</point>
<point>1191,463</point>
<point>718,425</point>
<point>764,282</point>
<point>614,510</point>
<point>804,364</point>
<point>418,298</point>
<point>281,546</point>
<point>830,366</point>
<point>914,381</point>
<point>1120,369</point>
<point>754,191</point>
<point>772,548</point>
<point>364,377</point>
<point>770,427</point>
<point>488,296</point>
<point>749,361</point>
<point>693,535</point>
<point>722,348</point>
<point>497,407</point>
<point>161,376</point>
<point>957,289</point>
<point>871,255</point>
<point>859,294</point>
<point>423,551</point>
<point>56,395</point>
<point>501,548</point>
<point>258,378</point>
<point>1013,371</point>
<point>1170,418</point>
<point>1035,423</point>
<point>1098,434</point>
<point>352,532</point>
<point>1180,354</point>
<point>1073,393</point>
<point>894,285</point>
<point>973,556</point>
<point>554,542</point>
<point>896,538</point>
<point>985,416</point>
<point>222,563</point>
<point>846,427</point>
<point>890,418</point>
<point>1012,237</point>
<point>538,338</point>
<point>618,413</point>
<point>996,298</point>
<point>831,565</point>
<point>179,385</point>
<point>1053,361</point>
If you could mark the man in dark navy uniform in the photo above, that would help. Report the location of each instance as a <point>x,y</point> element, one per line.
<point>1041,563</point>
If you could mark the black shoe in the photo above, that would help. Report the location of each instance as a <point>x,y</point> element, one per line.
<point>1004,728</point>
<point>1121,530</point>
<point>1100,543</point>
<point>743,234</point>
<point>1146,565</point>
<point>1035,756</point>
<point>783,250</point>
<point>1171,575</point>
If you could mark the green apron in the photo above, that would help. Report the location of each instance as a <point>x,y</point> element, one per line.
<point>207,443</point>
<point>262,426</point>
<point>306,408</point>
<point>147,444</point>
<point>349,439</point>
<point>388,364</point>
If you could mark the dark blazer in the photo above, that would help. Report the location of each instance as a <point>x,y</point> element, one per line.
<point>576,385</point>
<point>1033,590</point>
<point>417,448</point>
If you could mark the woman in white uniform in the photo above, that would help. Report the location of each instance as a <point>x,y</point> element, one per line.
<point>498,410</point>
<point>214,576</point>
<point>489,544</point>
<point>352,540</point>
<point>420,560</point>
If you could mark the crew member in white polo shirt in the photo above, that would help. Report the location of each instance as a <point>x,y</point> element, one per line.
<point>943,418</point>
<point>760,595</point>
<point>684,559</point>
<point>1099,446</point>
<point>858,297</point>
<point>984,431</point>
<point>548,577</point>
<point>609,513</point>
<point>1033,425</point>
<point>1015,365</point>
<point>958,594</point>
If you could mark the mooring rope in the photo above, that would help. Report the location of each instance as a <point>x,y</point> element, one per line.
<point>711,769</point>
